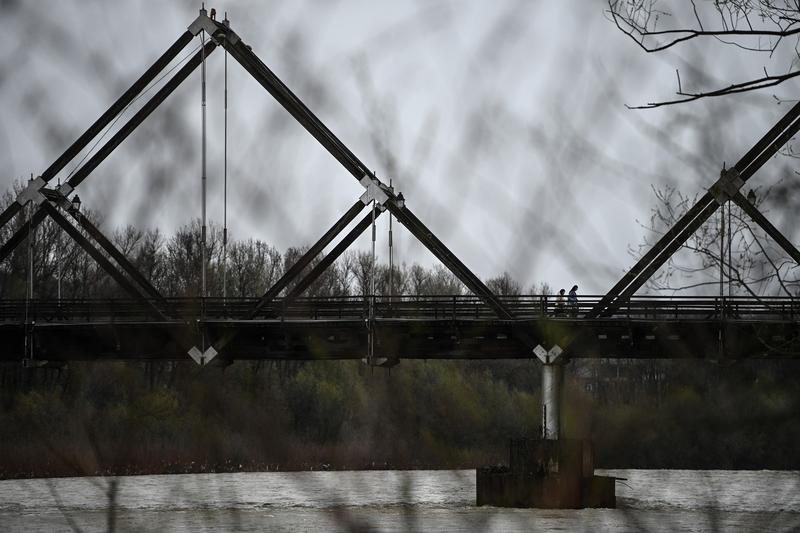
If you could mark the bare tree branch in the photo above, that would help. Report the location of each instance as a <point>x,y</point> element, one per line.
<point>778,21</point>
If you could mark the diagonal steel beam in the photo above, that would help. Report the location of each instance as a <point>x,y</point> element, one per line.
<point>117,107</point>
<point>142,114</point>
<point>753,212</point>
<point>115,141</point>
<point>263,75</point>
<point>309,256</point>
<point>243,54</point>
<point>105,119</point>
<point>328,260</point>
<point>312,276</point>
<point>769,137</point>
<point>448,258</point>
<point>19,235</point>
<point>671,241</point>
<point>101,260</point>
<point>119,257</point>
<point>106,244</point>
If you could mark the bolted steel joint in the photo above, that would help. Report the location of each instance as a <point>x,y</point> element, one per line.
<point>726,186</point>
<point>62,201</point>
<point>201,23</point>
<point>374,191</point>
<point>216,31</point>
<point>32,192</point>
<point>65,189</point>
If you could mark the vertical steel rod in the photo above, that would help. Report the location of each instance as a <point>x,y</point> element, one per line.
<point>59,259</point>
<point>721,254</point>
<point>203,171</point>
<point>225,181</point>
<point>29,292</point>
<point>721,281</point>
<point>371,348</point>
<point>28,280</point>
<point>391,255</point>
<point>730,247</point>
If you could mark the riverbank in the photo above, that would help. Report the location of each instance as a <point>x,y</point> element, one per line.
<point>225,468</point>
<point>230,467</point>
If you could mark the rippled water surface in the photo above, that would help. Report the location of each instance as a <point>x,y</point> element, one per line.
<point>649,500</point>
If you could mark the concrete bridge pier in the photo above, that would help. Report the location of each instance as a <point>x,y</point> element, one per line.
<point>548,471</point>
<point>552,383</point>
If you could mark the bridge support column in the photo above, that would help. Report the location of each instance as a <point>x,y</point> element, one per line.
<point>548,471</point>
<point>552,380</point>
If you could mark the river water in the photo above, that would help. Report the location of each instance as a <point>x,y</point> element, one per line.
<point>440,501</point>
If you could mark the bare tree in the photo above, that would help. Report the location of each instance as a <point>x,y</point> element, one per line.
<point>417,279</point>
<point>361,268</point>
<point>767,27</point>
<point>443,282</point>
<point>504,285</point>
<point>742,253</point>
<point>253,266</point>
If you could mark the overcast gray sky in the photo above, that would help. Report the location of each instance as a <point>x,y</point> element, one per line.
<point>505,123</point>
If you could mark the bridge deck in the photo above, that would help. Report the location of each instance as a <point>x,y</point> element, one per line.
<point>405,327</point>
<point>411,307</point>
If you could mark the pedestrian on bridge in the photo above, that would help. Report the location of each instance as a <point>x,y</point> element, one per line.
<point>572,300</point>
<point>560,303</point>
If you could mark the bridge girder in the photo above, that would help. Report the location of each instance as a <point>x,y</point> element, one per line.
<point>429,339</point>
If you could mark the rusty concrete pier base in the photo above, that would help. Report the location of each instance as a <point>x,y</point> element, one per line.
<point>546,474</point>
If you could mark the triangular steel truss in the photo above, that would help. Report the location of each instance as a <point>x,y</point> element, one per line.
<point>725,189</point>
<point>50,200</point>
<point>381,196</point>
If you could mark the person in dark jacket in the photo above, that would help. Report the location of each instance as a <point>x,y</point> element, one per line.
<point>572,300</point>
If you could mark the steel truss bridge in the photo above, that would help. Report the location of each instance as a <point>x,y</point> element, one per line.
<point>282,324</point>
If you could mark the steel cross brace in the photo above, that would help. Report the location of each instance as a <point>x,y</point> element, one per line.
<point>101,260</point>
<point>767,226</point>
<point>181,340</point>
<point>105,119</point>
<point>307,257</point>
<point>697,215</point>
<point>334,254</point>
<point>106,244</point>
<point>142,114</point>
<point>315,272</point>
<point>109,146</point>
<point>221,34</point>
<point>519,331</point>
<point>51,210</point>
<point>19,235</point>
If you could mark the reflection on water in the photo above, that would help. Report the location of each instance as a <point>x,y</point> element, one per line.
<point>649,500</point>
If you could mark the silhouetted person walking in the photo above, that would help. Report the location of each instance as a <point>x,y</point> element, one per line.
<point>572,300</point>
<point>560,303</point>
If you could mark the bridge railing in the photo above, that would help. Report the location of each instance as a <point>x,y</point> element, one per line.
<point>442,307</point>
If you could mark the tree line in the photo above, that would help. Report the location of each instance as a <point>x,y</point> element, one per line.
<point>172,263</point>
<point>129,418</point>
